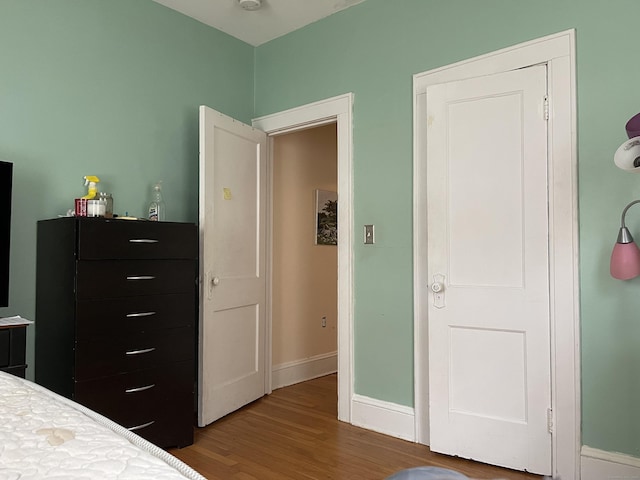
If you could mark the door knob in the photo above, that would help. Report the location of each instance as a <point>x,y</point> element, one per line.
<point>211,282</point>
<point>437,287</point>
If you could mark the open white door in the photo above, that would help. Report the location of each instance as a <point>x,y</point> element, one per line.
<point>488,264</point>
<point>232,265</point>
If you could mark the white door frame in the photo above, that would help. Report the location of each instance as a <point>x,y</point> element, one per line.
<point>558,52</point>
<point>332,110</point>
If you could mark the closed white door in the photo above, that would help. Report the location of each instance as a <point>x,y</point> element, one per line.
<point>489,332</point>
<point>232,265</point>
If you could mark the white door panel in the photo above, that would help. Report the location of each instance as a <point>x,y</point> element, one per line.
<point>489,345</point>
<point>239,327</point>
<point>232,263</point>
<point>485,160</point>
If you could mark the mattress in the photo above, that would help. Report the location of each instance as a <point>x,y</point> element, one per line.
<point>44,435</point>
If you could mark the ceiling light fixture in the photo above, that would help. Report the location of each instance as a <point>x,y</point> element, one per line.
<point>250,4</point>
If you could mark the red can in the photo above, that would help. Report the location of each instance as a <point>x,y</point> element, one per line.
<point>81,207</point>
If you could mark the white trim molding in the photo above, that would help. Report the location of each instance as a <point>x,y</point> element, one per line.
<point>558,53</point>
<point>601,465</point>
<point>332,110</point>
<point>383,417</point>
<point>290,373</point>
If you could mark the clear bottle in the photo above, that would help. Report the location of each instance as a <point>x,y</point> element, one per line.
<point>156,206</point>
<point>108,204</point>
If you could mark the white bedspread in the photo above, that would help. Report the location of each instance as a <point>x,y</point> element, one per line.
<point>43,435</point>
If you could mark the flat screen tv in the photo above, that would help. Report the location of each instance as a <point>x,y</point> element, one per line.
<point>6,180</point>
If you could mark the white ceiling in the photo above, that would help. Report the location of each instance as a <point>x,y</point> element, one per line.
<point>274,19</point>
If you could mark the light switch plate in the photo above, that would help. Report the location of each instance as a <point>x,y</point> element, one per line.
<point>369,235</point>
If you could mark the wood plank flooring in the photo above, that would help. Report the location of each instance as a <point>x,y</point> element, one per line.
<point>294,434</point>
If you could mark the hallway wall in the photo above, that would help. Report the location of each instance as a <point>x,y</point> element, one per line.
<point>304,274</point>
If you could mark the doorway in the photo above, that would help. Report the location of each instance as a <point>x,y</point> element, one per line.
<point>304,279</point>
<point>336,110</point>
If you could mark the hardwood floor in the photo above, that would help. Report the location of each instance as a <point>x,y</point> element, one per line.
<point>294,434</point>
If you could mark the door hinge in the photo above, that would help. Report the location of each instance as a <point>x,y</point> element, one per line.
<point>550,420</point>
<point>546,107</point>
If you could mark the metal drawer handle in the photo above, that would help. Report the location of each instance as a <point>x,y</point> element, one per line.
<point>142,314</point>
<point>143,240</point>
<point>139,389</point>
<point>144,425</point>
<point>139,352</point>
<point>140,277</point>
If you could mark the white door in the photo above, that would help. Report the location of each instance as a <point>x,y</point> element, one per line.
<point>489,345</point>
<point>232,265</point>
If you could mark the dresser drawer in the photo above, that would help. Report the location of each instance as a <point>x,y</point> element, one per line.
<point>173,429</point>
<point>117,278</point>
<point>134,314</point>
<point>125,239</point>
<point>156,403</point>
<point>110,355</point>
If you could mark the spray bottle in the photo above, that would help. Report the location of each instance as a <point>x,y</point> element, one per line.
<point>91,181</point>
<point>95,205</point>
<point>156,206</point>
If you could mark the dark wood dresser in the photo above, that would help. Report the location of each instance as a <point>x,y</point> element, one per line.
<point>116,304</point>
<point>13,343</point>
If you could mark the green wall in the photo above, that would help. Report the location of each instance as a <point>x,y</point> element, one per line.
<point>111,88</point>
<point>108,88</point>
<point>372,50</point>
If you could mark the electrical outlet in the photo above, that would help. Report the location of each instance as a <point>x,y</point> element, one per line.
<point>324,322</point>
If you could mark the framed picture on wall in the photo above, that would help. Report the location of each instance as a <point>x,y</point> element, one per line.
<point>326,217</point>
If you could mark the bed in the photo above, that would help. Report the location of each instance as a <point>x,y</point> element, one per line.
<point>44,435</point>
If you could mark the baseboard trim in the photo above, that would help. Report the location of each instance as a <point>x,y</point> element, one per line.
<point>602,465</point>
<point>383,417</point>
<point>290,373</point>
